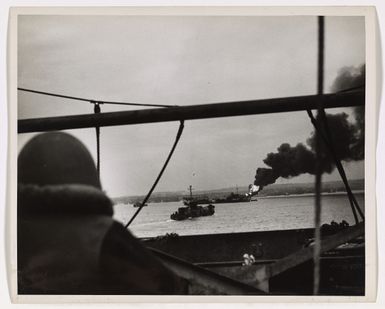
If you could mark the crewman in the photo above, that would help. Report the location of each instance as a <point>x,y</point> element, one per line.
<point>68,242</point>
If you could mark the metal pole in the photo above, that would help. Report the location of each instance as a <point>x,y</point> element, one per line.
<point>190,188</point>
<point>204,111</point>
<point>318,176</point>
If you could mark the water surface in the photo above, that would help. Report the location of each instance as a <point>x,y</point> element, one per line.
<point>276,213</point>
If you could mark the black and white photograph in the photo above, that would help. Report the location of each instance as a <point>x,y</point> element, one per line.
<point>193,154</point>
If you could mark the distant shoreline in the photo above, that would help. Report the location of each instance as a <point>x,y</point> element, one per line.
<point>338,193</point>
<point>272,191</point>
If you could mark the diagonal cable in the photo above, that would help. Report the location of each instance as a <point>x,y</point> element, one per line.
<point>177,138</point>
<point>90,100</point>
<point>328,142</point>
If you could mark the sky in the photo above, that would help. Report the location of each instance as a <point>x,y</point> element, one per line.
<point>183,60</point>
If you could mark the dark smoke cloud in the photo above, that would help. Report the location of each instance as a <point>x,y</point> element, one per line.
<point>343,135</point>
<point>352,77</point>
<point>349,77</point>
<point>291,161</point>
<point>265,176</point>
<point>347,139</point>
<point>358,147</point>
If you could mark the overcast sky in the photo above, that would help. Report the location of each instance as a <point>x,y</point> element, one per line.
<point>183,61</point>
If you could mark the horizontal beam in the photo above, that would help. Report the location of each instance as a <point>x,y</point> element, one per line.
<point>204,111</point>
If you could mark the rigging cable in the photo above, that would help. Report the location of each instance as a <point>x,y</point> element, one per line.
<point>329,135</point>
<point>351,88</point>
<point>97,129</point>
<point>90,100</point>
<point>177,138</point>
<point>96,111</point>
<point>327,138</point>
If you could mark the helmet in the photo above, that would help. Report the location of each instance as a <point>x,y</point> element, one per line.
<point>56,158</point>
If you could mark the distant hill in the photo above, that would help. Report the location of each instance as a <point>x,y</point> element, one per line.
<point>271,190</point>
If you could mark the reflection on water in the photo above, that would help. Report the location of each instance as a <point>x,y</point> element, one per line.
<point>265,214</point>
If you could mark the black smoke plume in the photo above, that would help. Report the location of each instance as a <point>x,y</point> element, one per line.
<point>347,139</point>
<point>351,78</point>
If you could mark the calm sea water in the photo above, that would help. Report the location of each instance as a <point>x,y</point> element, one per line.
<point>265,214</point>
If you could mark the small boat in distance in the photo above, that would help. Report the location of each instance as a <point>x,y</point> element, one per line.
<point>239,198</point>
<point>197,200</point>
<point>233,198</point>
<point>138,204</point>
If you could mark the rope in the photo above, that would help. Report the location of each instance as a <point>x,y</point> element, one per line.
<point>351,89</point>
<point>340,167</point>
<point>90,100</point>
<point>97,129</point>
<point>328,142</point>
<point>177,138</point>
